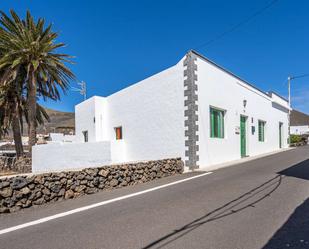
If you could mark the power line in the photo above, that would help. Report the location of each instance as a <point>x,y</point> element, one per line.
<point>300,76</point>
<point>236,26</point>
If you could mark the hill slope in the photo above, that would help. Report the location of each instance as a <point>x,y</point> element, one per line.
<point>57,119</point>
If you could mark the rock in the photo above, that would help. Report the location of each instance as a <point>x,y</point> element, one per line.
<point>62,175</point>
<point>18,195</point>
<point>80,177</point>
<point>91,172</point>
<point>4,184</point>
<point>89,178</point>
<point>83,182</point>
<point>4,210</point>
<point>113,183</point>
<point>55,188</point>
<point>101,186</point>
<point>80,188</point>
<point>69,194</point>
<point>27,204</point>
<point>90,190</point>
<point>38,195</point>
<point>124,183</point>
<point>25,190</point>
<point>96,181</point>
<point>19,182</point>
<point>61,192</point>
<point>6,192</point>
<point>52,196</point>
<point>14,209</point>
<point>31,186</point>
<point>46,191</point>
<point>39,179</point>
<point>39,201</point>
<point>63,181</point>
<point>103,172</point>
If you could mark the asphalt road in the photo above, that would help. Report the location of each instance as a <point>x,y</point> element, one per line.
<point>258,204</point>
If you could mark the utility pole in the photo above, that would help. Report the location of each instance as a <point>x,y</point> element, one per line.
<point>82,90</point>
<point>289,118</point>
<point>289,90</point>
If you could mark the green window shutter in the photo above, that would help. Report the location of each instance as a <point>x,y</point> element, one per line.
<point>212,123</point>
<point>222,124</point>
<point>261,133</point>
<point>216,123</point>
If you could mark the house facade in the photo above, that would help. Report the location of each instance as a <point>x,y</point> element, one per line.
<point>195,110</point>
<point>299,123</point>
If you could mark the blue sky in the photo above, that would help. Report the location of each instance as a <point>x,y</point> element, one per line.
<point>117,43</point>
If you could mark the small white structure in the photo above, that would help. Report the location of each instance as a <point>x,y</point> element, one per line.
<point>195,110</point>
<point>300,130</point>
<point>60,137</point>
<point>299,123</point>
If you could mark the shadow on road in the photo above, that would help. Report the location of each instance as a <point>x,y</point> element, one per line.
<point>247,200</point>
<point>295,232</point>
<point>300,170</point>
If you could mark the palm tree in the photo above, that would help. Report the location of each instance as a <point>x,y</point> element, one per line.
<point>11,109</point>
<point>29,45</point>
<point>13,113</point>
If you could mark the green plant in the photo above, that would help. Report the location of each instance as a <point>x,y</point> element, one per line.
<point>295,139</point>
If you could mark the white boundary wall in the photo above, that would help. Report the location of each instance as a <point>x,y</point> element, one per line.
<point>67,156</point>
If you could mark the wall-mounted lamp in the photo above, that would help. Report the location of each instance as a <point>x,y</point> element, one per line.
<point>244,103</point>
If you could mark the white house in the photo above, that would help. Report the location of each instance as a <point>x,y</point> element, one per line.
<point>195,110</point>
<point>299,123</point>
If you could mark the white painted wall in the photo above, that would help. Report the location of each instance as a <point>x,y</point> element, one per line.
<point>67,156</point>
<point>89,116</point>
<point>60,137</point>
<point>300,130</point>
<point>151,114</point>
<point>219,89</point>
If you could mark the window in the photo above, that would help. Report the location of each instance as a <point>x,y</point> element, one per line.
<point>216,123</point>
<point>261,131</point>
<point>85,133</point>
<point>118,132</point>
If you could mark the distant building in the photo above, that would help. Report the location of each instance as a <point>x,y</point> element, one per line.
<point>195,110</point>
<point>299,123</point>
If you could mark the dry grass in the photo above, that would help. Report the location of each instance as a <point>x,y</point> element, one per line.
<point>7,173</point>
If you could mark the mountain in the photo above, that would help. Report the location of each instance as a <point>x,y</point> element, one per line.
<point>59,122</point>
<point>299,118</point>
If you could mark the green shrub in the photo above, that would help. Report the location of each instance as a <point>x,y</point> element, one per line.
<point>295,139</point>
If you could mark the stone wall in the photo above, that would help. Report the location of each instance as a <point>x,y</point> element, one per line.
<point>25,191</point>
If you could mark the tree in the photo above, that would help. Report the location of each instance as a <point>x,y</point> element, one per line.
<point>13,112</point>
<point>29,45</point>
<point>11,109</point>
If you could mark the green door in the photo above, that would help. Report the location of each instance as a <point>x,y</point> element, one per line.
<point>280,135</point>
<point>243,129</point>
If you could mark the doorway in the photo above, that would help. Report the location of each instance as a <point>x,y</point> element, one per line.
<point>243,136</point>
<point>280,135</point>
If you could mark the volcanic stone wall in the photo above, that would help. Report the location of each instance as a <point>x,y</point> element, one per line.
<point>26,191</point>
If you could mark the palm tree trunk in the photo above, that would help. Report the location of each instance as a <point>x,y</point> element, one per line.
<point>17,136</point>
<point>32,111</point>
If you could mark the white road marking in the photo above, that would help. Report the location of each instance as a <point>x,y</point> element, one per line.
<point>81,209</point>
